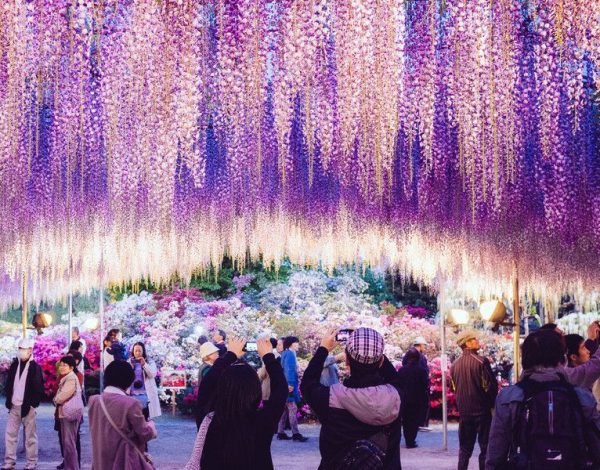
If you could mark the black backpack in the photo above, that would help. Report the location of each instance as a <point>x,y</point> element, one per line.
<point>366,454</point>
<point>548,428</point>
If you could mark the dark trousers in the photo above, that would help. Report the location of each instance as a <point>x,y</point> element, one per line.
<point>77,443</point>
<point>470,429</point>
<point>411,420</point>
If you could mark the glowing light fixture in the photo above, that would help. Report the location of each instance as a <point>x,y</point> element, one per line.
<point>459,316</point>
<point>493,311</point>
<point>91,324</point>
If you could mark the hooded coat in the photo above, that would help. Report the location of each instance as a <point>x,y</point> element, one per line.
<point>358,409</point>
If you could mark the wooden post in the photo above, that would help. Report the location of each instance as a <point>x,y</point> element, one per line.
<point>174,400</point>
<point>24,314</point>
<point>517,321</point>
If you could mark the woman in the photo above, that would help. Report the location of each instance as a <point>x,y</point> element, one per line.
<point>118,428</point>
<point>237,435</point>
<point>144,385</point>
<point>77,356</point>
<point>68,388</point>
<point>415,395</point>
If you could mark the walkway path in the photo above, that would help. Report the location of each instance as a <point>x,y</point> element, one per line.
<point>177,434</point>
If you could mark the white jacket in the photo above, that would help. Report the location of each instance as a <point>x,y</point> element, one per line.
<point>151,389</point>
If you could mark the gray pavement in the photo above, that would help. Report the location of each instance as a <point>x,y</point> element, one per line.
<point>176,438</point>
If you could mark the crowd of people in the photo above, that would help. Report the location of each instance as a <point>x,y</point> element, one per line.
<point>548,419</point>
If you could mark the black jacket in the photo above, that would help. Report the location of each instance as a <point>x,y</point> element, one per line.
<point>218,441</point>
<point>415,389</point>
<point>358,409</point>
<point>34,386</point>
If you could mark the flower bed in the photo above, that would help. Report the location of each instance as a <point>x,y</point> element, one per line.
<point>308,304</point>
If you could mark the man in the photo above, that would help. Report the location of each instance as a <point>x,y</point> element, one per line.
<point>420,345</point>
<point>209,353</point>
<point>289,363</point>
<point>219,338</point>
<point>569,440</point>
<point>24,391</point>
<point>363,413</point>
<point>120,415</point>
<point>586,373</point>
<point>476,388</point>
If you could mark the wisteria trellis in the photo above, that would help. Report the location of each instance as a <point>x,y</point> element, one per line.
<point>144,137</point>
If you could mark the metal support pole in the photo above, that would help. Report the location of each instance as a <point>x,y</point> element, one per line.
<point>70,318</point>
<point>517,321</point>
<point>101,313</point>
<point>443,366</point>
<point>24,314</point>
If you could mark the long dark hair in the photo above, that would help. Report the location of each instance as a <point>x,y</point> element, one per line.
<point>235,404</point>
<point>140,344</point>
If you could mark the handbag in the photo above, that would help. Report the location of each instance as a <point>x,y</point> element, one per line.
<point>194,462</point>
<point>72,409</point>
<point>144,455</point>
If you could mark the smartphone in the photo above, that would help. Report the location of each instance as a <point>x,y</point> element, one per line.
<point>343,335</point>
<point>250,346</point>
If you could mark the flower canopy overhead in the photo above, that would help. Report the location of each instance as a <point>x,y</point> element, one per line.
<point>139,138</point>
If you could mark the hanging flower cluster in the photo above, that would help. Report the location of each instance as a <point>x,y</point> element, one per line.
<point>139,139</point>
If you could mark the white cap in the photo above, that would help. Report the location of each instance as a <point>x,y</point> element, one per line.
<point>420,340</point>
<point>26,343</point>
<point>207,349</point>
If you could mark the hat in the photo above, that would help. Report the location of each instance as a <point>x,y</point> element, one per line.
<point>26,343</point>
<point>466,336</point>
<point>365,346</point>
<point>420,340</point>
<point>207,349</point>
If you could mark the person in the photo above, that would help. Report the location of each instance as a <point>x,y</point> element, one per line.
<point>365,408</point>
<point>76,355</point>
<point>24,391</point>
<point>236,434</point>
<point>219,338</point>
<point>144,384</point>
<point>107,355</point>
<point>415,396</point>
<point>475,388</point>
<point>119,431</point>
<point>587,373</point>
<point>289,363</point>
<point>263,375</point>
<point>577,353</point>
<point>68,388</point>
<point>82,347</point>
<point>331,374</point>
<point>202,339</point>
<point>420,345</point>
<point>542,355</point>
<point>209,353</point>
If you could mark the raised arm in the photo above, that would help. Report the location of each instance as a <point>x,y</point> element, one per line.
<point>150,369</point>
<point>273,407</point>
<point>315,394</point>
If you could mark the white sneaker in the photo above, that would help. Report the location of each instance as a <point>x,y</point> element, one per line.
<point>424,429</point>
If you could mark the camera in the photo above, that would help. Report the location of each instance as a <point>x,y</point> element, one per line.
<point>343,335</point>
<point>251,346</point>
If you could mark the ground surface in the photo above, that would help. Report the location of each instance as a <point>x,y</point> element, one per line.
<point>176,438</point>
